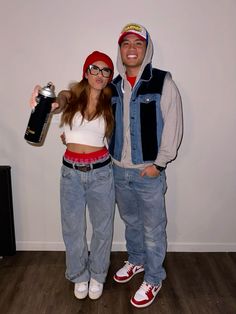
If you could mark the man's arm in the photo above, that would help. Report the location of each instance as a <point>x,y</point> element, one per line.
<point>171,107</point>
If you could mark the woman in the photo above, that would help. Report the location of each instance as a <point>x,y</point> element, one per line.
<point>86,176</point>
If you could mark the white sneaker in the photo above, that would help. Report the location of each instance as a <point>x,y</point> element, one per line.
<point>95,289</point>
<point>81,290</point>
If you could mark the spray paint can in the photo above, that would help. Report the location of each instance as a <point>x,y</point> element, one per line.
<point>39,117</point>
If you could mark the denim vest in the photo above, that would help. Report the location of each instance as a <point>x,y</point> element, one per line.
<point>146,122</point>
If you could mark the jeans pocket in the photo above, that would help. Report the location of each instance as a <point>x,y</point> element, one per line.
<point>66,172</point>
<point>104,173</point>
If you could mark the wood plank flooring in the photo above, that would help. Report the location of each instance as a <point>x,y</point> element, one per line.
<point>201,283</point>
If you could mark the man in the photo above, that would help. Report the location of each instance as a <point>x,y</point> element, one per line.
<point>148,130</point>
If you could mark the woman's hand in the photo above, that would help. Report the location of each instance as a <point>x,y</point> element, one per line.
<point>33,102</point>
<point>55,105</point>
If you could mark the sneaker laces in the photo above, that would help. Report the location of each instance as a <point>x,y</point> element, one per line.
<point>128,265</point>
<point>146,287</point>
<point>94,284</point>
<point>81,286</point>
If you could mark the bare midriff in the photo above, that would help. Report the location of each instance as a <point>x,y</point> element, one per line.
<point>82,149</point>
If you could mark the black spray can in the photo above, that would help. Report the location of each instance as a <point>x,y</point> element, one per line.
<point>39,117</point>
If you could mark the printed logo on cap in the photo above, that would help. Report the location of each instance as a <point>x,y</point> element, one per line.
<point>131,27</point>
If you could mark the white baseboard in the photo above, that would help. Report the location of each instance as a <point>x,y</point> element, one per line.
<point>56,246</point>
<point>39,246</point>
<point>201,247</point>
<point>120,246</point>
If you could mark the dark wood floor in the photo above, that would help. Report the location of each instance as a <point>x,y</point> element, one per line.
<point>34,283</point>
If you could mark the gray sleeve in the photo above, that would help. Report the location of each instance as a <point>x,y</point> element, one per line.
<point>171,108</point>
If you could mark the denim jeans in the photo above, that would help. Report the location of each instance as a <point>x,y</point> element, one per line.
<point>141,205</point>
<point>94,189</point>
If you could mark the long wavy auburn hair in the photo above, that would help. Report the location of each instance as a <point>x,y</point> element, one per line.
<point>79,96</point>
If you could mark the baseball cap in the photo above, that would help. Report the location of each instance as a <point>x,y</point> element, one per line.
<point>133,28</point>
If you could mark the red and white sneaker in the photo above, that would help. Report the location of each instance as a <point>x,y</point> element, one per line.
<point>145,295</point>
<point>127,272</point>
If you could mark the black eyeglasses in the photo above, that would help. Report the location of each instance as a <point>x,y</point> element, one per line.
<point>94,70</point>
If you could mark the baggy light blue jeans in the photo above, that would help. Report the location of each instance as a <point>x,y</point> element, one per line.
<point>94,189</point>
<point>141,205</point>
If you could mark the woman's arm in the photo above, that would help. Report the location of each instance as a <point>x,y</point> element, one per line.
<point>58,106</point>
<point>62,100</point>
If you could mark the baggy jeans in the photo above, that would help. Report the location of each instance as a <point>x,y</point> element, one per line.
<point>94,189</point>
<point>141,205</point>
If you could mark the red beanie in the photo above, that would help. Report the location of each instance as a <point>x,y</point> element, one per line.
<point>98,56</point>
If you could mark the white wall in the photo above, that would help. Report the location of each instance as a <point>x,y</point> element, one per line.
<point>195,40</point>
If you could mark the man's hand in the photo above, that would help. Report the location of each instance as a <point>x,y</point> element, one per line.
<point>150,171</point>
<point>63,138</point>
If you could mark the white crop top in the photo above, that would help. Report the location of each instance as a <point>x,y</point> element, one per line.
<point>88,133</point>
